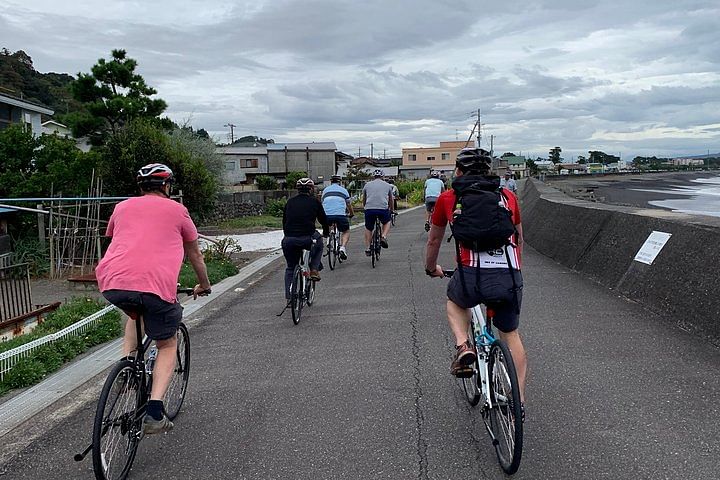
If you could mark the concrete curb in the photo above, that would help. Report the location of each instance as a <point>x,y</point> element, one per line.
<point>38,397</point>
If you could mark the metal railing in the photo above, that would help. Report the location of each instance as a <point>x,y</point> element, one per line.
<point>11,357</point>
<point>15,299</point>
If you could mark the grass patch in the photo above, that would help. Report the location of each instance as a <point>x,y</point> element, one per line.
<point>217,270</point>
<point>267,221</point>
<point>50,357</point>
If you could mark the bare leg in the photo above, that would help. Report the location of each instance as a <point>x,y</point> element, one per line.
<point>130,339</point>
<point>512,340</point>
<point>368,234</point>
<point>386,229</point>
<point>345,238</point>
<point>164,367</point>
<point>459,320</point>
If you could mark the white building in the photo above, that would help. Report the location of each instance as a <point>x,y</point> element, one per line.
<point>16,110</point>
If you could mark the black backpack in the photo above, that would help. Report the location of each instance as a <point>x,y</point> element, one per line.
<point>480,222</point>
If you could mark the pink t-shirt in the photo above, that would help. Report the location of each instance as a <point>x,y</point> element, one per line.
<point>146,250</point>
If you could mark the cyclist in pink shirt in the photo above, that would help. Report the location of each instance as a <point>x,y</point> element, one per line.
<point>150,236</point>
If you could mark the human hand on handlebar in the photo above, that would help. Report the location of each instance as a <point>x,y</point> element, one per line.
<point>199,290</point>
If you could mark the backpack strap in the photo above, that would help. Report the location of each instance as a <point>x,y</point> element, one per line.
<point>512,275</point>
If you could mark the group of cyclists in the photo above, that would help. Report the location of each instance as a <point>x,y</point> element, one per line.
<point>152,233</point>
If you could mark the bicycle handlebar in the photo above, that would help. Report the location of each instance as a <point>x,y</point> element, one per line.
<point>191,291</point>
<point>448,273</point>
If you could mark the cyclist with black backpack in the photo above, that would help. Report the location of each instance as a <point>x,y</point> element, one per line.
<point>485,222</point>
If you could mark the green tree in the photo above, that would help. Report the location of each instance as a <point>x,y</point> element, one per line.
<point>292,177</point>
<point>266,182</point>
<point>17,147</point>
<point>113,95</point>
<point>532,166</point>
<point>554,155</point>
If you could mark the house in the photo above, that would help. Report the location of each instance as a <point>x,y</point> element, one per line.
<point>545,165</point>
<point>316,159</point>
<point>516,164</point>
<point>441,157</point>
<point>17,110</point>
<point>243,164</point>
<point>51,127</point>
<point>595,167</point>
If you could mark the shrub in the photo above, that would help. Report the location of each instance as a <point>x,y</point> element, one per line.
<point>406,187</point>
<point>26,372</point>
<point>266,182</point>
<point>415,197</point>
<point>275,207</point>
<point>30,251</point>
<point>221,249</point>
<point>49,356</point>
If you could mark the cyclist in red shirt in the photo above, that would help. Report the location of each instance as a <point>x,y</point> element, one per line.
<point>488,276</point>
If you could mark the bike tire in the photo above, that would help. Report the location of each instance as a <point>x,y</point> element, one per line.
<point>310,292</point>
<point>332,251</point>
<point>505,415</point>
<point>117,431</point>
<point>296,295</point>
<point>177,388</point>
<point>471,384</point>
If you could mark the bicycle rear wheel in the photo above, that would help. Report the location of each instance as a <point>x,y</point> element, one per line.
<point>117,426</point>
<point>310,292</point>
<point>296,295</point>
<point>175,394</point>
<point>332,251</point>
<point>505,414</point>
<point>470,384</point>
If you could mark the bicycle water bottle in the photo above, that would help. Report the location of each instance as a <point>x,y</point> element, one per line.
<point>150,362</point>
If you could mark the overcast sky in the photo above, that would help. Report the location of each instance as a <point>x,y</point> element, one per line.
<point>636,77</point>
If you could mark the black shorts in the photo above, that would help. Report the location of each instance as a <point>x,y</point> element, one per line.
<point>430,203</point>
<point>161,318</point>
<point>492,287</point>
<point>342,222</point>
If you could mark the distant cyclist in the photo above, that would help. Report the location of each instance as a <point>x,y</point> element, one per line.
<point>396,194</point>
<point>139,274</point>
<point>378,203</point>
<point>484,277</point>
<point>339,210</point>
<point>433,188</point>
<point>508,182</point>
<point>299,217</point>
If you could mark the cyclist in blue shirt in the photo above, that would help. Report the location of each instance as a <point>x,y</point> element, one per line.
<point>433,188</point>
<point>338,208</point>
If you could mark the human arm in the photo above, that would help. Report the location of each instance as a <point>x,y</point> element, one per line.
<point>432,251</point>
<point>195,257</point>
<point>519,238</point>
<point>351,212</point>
<point>322,218</point>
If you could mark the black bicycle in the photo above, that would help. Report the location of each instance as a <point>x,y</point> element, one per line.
<point>302,288</point>
<point>375,242</point>
<point>118,425</point>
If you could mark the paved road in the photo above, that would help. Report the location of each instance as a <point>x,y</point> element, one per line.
<point>361,388</point>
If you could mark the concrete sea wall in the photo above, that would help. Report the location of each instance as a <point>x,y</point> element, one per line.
<point>601,241</point>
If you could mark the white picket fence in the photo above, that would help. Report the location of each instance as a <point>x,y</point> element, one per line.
<point>11,357</point>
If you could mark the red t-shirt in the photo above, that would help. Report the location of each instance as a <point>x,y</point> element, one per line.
<point>146,250</point>
<point>443,214</point>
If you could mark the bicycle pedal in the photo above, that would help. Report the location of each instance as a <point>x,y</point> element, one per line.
<point>465,373</point>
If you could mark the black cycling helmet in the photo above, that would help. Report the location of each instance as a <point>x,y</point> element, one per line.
<point>335,179</point>
<point>154,176</point>
<point>475,160</point>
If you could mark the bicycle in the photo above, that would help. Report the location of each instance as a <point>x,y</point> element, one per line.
<point>333,247</point>
<point>302,288</point>
<point>375,242</point>
<point>118,431</point>
<point>493,379</point>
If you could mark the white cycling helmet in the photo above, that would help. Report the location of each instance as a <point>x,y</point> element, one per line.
<point>378,173</point>
<point>154,175</point>
<point>304,183</point>
<point>435,174</point>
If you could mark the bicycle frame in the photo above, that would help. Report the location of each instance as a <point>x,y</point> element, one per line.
<point>484,338</point>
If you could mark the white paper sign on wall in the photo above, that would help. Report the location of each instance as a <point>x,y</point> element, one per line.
<point>652,246</point>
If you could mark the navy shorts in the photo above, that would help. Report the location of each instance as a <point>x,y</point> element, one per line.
<point>161,318</point>
<point>371,215</point>
<point>342,222</point>
<point>430,203</point>
<point>492,287</point>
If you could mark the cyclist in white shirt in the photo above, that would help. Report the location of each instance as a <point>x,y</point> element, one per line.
<point>433,188</point>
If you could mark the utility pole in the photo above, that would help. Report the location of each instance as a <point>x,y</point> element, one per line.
<point>358,152</point>
<point>232,132</point>
<point>492,139</point>
<point>384,154</point>
<point>479,135</point>
<point>371,150</point>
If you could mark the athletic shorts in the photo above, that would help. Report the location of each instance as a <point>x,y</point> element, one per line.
<point>430,203</point>
<point>342,222</point>
<point>492,287</point>
<point>161,318</point>
<point>371,215</point>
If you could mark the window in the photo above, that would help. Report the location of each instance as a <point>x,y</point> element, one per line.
<point>430,159</point>
<point>249,163</point>
<point>230,166</point>
<point>445,156</point>
<point>412,157</point>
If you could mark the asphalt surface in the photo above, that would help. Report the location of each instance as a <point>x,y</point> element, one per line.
<point>361,388</point>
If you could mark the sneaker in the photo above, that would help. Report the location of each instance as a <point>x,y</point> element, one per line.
<point>465,356</point>
<point>427,226</point>
<point>152,426</point>
<point>343,253</point>
<point>383,242</point>
<point>314,275</point>
<point>367,252</point>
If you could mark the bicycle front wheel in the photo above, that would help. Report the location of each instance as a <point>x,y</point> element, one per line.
<point>175,394</point>
<point>296,295</point>
<point>505,414</point>
<point>117,426</point>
